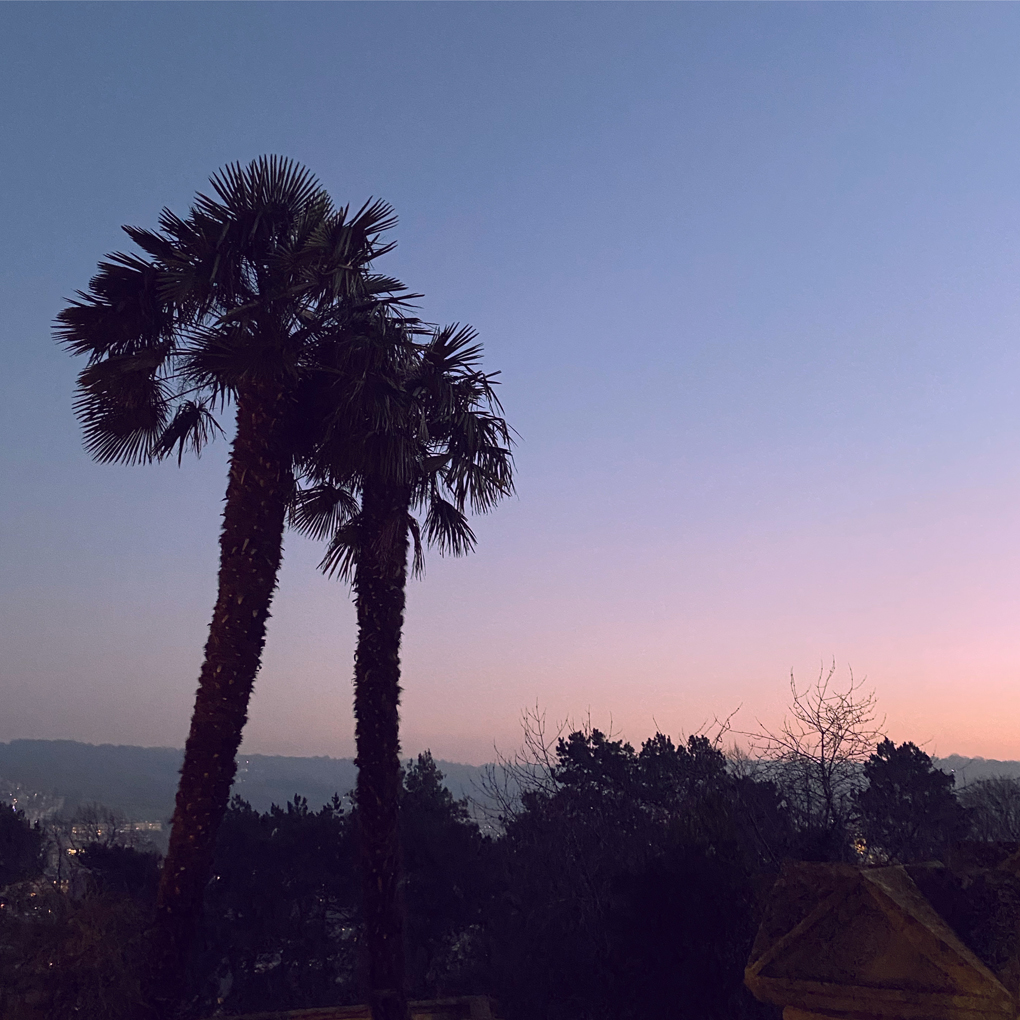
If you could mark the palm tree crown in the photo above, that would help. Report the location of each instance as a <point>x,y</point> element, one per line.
<point>430,424</point>
<point>257,297</point>
<point>431,442</point>
<point>243,291</point>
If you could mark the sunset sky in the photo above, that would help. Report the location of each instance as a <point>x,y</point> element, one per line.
<point>750,273</point>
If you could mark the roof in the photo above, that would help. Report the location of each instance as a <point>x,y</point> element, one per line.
<point>864,942</point>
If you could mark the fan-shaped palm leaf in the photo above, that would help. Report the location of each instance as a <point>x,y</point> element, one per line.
<point>429,441</point>
<point>252,298</point>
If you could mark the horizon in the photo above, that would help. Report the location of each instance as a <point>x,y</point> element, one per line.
<point>411,756</point>
<point>749,274</point>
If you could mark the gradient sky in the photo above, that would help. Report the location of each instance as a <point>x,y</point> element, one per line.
<point>750,274</point>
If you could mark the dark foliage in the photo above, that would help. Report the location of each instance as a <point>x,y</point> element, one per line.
<point>22,846</point>
<point>993,805</point>
<point>829,842</point>
<point>908,812</point>
<point>68,958</point>
<point>122,870</point>
<point>449,885</point>
<point>680,930</point>
<point>978,899</point>
<point>283,926</point>
<point>280,910</point>
<point>631,884</point>
<point>626,883</point>
<point>71,936</point>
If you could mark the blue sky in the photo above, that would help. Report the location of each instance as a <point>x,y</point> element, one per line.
<point>749,272</point>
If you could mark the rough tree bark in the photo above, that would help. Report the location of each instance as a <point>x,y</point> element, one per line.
<point>379,583</point>
<point>259,488</point>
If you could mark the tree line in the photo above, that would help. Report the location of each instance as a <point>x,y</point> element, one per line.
<point>613,881</point>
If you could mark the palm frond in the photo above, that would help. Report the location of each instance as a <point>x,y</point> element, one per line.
<point>344,250</point>
<point>267,182</point>
<point>418,552</point>
<point>375,217</point>
<point>192,427</point>
<point>220,357</point>
<point>120,314</point>
<point>453,352</point>
<point>123,410</point>
<point>322,510</point>
<point>425,419</point>
<point>263,278</point>
<point>447,528</point>
<point>344,551</point>
<point>480,462</point>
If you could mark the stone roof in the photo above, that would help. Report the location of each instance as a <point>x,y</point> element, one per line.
<point>851,942</point>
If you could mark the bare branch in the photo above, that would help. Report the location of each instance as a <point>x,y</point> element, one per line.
<point>815,757</point>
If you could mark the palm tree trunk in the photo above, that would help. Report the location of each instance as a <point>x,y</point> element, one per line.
<point>379,583</point>
<point>259,487</point>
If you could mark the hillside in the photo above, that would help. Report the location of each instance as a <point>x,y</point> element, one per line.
<point>970,770</point>
<point>141,781</point>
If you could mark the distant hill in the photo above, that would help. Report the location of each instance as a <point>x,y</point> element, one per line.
<point>970,770</point>
<point>141,781</point>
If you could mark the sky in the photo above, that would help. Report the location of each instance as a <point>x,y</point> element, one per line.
<point>750,275</point>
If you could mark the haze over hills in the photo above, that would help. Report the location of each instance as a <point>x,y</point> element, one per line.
<point>970,770</point>
<point>141,782</point>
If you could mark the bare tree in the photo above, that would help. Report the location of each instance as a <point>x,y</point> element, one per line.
<point>529,769</point>
<point>96,824</point>
<point>816,756</point>
<point>90,825</point>
<point>994,806</point>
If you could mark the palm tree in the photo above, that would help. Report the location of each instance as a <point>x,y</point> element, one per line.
<point>232,304</point>
<point>433,442</point>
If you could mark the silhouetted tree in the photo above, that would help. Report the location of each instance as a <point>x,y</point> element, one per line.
<point>994,808</point>
<point>70,943</point>
<point>450,882</point>
<point>908,812</point>
<point>122,870</point>
<point>681,926</point>
<point>433,443</point>
<point>283,924</point>
<point>815,759</point>
<point>22,846</point>
<point>70,957</point>
<point>630,884</point>
<point>234,302</point>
